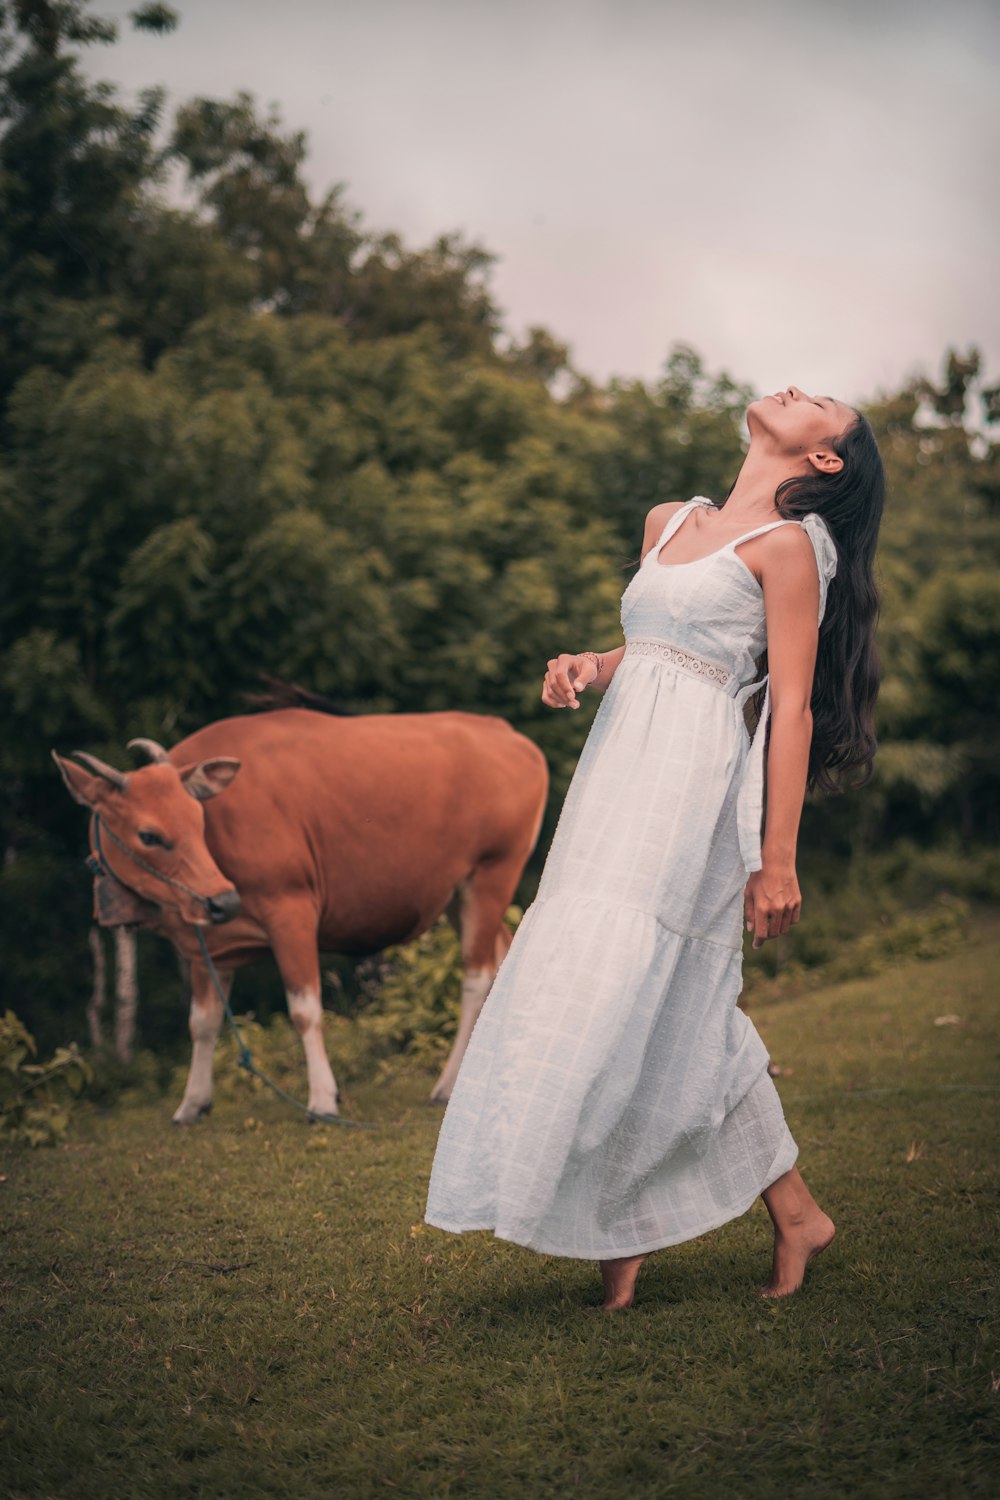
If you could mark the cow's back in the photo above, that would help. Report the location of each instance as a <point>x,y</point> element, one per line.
<point>370,814</point>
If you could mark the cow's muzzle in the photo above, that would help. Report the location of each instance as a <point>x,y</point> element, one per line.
<point>223,907</point>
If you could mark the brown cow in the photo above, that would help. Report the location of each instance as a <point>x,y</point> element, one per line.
<point>347,834</point>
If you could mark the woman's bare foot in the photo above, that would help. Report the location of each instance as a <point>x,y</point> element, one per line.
<point>794,1247</point>
<point>619,1277</point>
<point>801,1231</point>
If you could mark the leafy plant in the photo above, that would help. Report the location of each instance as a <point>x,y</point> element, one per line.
<point>410,1003</point>
<point>826,950</point>
<point>36,1099</point>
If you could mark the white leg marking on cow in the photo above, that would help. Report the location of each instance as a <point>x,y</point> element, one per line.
<point>307,1017</point>
<point>204,1024</point>
<point>475,987</point>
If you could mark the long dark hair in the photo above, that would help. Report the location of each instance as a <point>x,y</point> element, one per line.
<point>848,671</point>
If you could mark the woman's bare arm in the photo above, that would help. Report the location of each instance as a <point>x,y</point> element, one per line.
<point>773,901</point>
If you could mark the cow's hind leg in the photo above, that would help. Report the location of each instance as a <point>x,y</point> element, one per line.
<point>205,1023</point>
<point>482,900</point>
<point>293,934</point>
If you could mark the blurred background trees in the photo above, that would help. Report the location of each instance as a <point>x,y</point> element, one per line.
<point>241,433</point>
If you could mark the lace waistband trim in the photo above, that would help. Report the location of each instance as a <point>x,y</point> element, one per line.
<point>685,661</point>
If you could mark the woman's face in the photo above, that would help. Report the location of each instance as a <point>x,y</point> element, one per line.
<point>798,423</point>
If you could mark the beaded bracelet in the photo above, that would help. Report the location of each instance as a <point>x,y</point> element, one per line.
<point>597,660</point>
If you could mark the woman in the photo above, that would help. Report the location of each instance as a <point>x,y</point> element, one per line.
<point>613,1098</point>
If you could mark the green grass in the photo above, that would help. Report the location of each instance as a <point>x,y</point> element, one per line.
<point>254,1308</point>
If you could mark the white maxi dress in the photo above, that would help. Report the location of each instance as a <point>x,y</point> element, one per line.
<point>613,1098</point>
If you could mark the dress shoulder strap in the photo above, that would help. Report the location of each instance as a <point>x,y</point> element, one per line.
<point>823,545</point>
<point>678,516</point>
<point>748,536</point>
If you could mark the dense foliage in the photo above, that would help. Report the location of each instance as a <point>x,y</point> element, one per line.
<point>248,434</point>
<point>36,1099</point>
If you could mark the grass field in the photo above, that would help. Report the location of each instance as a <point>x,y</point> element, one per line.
<point>254,1307</point>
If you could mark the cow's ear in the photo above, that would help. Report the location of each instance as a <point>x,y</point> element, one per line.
<point>83,786</point>
<point>210,777</point>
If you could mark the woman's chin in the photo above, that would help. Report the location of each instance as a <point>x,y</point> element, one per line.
<point>758,414</point>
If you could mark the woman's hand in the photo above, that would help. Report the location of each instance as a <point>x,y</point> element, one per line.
<point>567,676</point>
<point>772,902</point>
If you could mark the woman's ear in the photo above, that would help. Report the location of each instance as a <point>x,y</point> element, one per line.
<point>825,461</point>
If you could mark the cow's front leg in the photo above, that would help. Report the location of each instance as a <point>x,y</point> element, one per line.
<point>306,1012</point>
<point>294,943</point>
<point>205,1023</point>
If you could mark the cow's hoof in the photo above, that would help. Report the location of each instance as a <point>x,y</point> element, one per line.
<point>437,1101</point>
<point>192,1115</point>
<point>323,1117</point>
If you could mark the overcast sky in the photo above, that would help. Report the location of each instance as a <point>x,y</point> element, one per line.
<point>805,190</point>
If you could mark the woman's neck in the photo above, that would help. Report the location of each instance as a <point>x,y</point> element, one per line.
<point>752,496</point>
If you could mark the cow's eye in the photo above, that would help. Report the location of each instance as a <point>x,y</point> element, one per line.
<point>147,838</point>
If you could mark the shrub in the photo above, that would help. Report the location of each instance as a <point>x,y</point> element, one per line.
<point>833,950</point>
<point>36,1099</point>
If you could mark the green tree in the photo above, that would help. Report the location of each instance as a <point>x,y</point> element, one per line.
<point>678,438</point>
<point>75,167</point>
<point>250,435</point>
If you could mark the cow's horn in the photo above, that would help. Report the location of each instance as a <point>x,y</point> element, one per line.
<point>156,752</point>
<point>101,768</point>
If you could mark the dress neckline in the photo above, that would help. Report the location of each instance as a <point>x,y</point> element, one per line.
<point>679,517</point>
